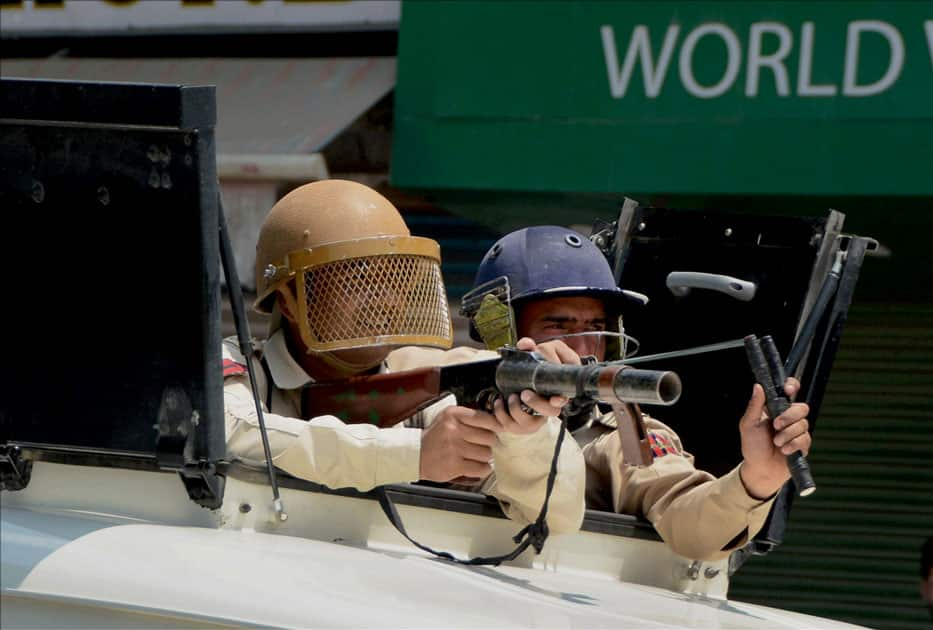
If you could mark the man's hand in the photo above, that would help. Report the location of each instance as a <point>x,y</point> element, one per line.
<point>527,412</point>
<point>766,444</point>
<point>555,351</point>
<point>458,444</point>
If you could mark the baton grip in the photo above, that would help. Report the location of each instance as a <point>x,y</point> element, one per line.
<point>777,404</point>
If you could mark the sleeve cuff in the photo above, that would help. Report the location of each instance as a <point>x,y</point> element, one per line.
<point>398,453</point>
<point>525,442</point>
<point>734,492</point>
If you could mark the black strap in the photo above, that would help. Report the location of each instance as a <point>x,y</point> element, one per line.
<point>534,534</point>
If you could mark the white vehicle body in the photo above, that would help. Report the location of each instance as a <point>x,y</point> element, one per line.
<point>101,547</point>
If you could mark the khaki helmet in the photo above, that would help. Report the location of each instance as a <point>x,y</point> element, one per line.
<point>348,268</point>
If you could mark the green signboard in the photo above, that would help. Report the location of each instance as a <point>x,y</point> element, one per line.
<point>749,98</point>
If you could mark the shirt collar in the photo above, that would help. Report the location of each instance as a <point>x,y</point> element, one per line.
<point>286,372</point>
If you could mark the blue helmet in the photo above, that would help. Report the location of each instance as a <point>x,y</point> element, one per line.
<point>547,261</point>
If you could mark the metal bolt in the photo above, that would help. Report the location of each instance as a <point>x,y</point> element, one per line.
<point>269,272</point>
<point>710,573</point>
<point>103,195</point>
<point>693,571</point>
<point>245,508</point>
<point>728,232</point>
<point>641,226</point>
<point>187,140</point>
<point>38,192</point>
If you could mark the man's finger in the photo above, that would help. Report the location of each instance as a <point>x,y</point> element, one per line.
<point>477,435</point>
<point>518,411</point>
<point>801,443</point>
<point>791,432</point>
<point>756,406</point>
<point>541,405</point>
<point>791,387</point>
<point>478,419</point>
<point>509,424</point>
<point>527,344</point>
<point>475,452</point>
<point>557,351</point>
<point>792,415</point>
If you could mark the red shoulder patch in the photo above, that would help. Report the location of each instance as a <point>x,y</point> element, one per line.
<point>232,368</point>
<point>661,445</point>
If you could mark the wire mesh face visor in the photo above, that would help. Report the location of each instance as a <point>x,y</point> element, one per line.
<point>385,290</point>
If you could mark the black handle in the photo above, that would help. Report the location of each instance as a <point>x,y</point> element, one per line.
<point>769,372</point>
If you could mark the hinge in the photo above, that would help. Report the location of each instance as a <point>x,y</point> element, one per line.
<point>175,447</point>
<point>14,470</point>
<point>204,483</point>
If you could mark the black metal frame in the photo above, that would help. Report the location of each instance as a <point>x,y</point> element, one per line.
<point>112,150</point>
<point>814,381</point>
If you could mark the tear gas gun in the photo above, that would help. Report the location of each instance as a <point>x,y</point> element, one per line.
<point>387,399</point>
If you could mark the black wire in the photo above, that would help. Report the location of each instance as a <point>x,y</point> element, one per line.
<point>241,324</point>
<point>534,534</point>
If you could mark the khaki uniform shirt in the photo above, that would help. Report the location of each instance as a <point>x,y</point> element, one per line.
<point>697,515</point>
<point>327,451</point>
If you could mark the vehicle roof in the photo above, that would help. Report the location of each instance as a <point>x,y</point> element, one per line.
<point>250,577</point>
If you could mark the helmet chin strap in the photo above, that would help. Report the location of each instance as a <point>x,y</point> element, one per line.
<point>343,366</point>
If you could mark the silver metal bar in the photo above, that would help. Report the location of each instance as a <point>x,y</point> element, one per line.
<point>713,347</point>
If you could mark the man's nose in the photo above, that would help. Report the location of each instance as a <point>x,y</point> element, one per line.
<point>584,345</point>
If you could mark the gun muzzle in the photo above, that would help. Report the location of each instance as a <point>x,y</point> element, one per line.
<point>649,387</point>
<point>598,381</point>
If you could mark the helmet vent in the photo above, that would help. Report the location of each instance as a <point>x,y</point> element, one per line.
<point>573,240</point>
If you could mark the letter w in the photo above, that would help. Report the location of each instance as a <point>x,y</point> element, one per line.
<point>640,45</point>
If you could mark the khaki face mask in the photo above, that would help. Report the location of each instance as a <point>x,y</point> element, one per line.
<point>385,290</point>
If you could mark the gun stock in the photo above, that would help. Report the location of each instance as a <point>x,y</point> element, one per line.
<point>387,399</point>
<point>380,399</point>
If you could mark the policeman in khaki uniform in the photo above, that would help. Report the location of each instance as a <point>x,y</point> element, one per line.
<point>548,282</point>
<point>345,283</point>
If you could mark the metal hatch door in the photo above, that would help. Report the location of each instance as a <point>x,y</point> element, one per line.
<point>715,276</point>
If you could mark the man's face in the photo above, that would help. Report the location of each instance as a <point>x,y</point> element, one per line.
<point>553,317</point>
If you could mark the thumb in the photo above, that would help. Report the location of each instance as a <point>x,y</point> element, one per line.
<point>756,406</point>
<point>527,344</point>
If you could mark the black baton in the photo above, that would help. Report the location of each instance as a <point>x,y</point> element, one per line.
<point>766,364</point>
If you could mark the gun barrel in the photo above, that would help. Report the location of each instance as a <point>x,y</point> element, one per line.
<point>605,383</point>
<point>649,387</point>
